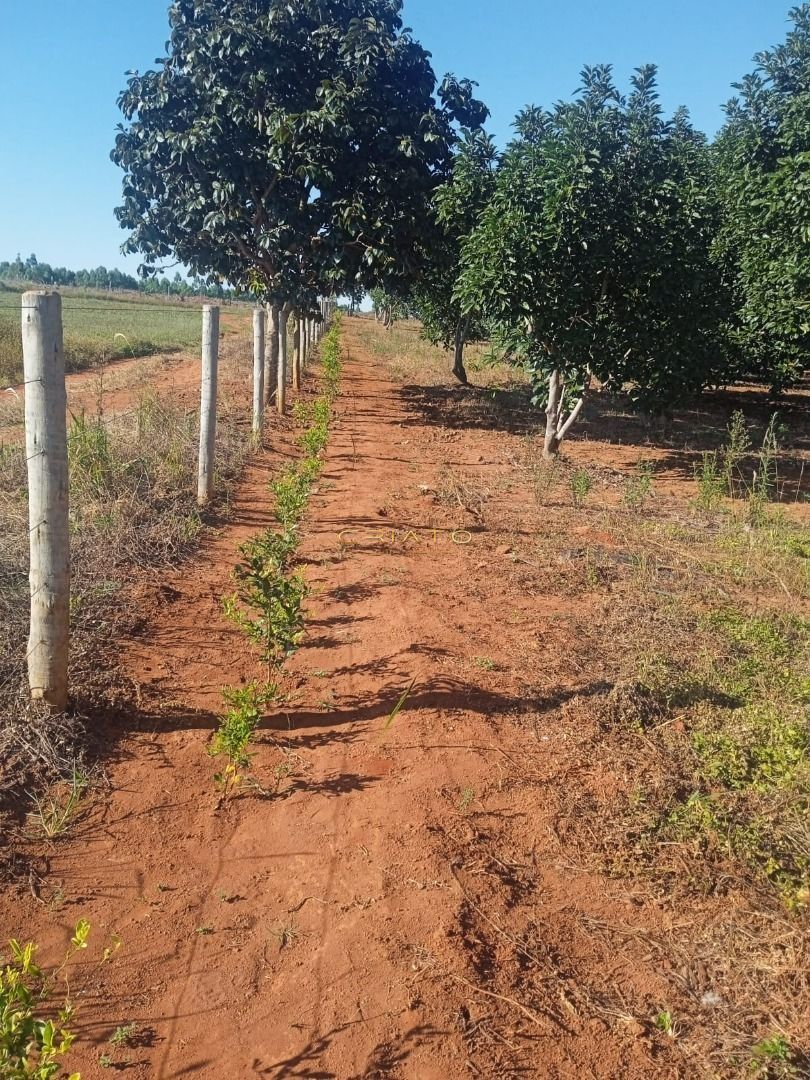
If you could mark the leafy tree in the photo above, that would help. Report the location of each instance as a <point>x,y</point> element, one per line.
<point>594,251</point>
<point>287,145</point>
<point>763,166</point>
<point>458,204</point>
<point>388,307</point>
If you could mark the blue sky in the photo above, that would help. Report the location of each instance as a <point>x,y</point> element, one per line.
<point>62,63</point>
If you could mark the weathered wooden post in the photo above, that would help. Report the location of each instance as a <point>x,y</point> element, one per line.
<point>271,350</point>
<point>281,374</point>
<point>297,336</point>
<point>208,403</point>
<point>258,369</point>
<point>48,497</point>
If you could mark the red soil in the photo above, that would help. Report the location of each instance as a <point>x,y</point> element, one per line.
<point>401,907</point>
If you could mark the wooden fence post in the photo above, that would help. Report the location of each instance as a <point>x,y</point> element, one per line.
<point>48,497</point>
<point>208,403</point>
<point>281,374</point>
<point>297,340</point>
<point>258,369</point>
<point>271,350</point>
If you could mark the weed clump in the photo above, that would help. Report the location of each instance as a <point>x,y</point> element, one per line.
<point>741,747</point>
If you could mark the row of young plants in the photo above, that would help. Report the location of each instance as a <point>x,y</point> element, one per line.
<point>36,1010</point>
<point>267,604</point>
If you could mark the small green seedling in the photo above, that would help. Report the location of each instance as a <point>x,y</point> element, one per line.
<point>581,485</point>
<point>236,729</point>
<point>773,1058</point>
<point>485,663</point>
<point>273,596</point>
<point>467,798</point>
<point>123,1035</point>
<point>665,1022</point>
<point>638,488</point>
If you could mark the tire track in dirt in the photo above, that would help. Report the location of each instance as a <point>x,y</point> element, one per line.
<point>323,932</point>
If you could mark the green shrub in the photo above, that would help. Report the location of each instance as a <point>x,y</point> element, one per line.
<point>274,599</point>
<point>32,1042</point>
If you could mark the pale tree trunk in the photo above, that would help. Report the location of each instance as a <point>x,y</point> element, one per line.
<point>459,370</point>
<point>298,342</point>
<point>387,319</point>
<point>48,498</point>
<point>557,425</point>
<point>281,373</point>
<point>208,404</point>
<point>258,370</point>
<point>271,350</point>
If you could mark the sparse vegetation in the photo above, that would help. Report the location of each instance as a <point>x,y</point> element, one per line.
<point>132,480</point>
<point>581,485</point>
<point>55,811</point>
<point>35,1036</point>
<point>123,1035</point>
<point>638,487</point>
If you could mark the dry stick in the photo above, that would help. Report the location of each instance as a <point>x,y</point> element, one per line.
<point>208,404</point>
<point>461,746</point>
<point>258,370</point>
<point>504,933</point>
<point>535,1019</point>
<point>49,535</point>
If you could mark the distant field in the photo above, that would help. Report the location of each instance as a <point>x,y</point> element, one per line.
<point>98,329</point>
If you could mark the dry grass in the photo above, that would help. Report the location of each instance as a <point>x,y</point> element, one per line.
<point>133,505</point>
<point>410,358</point>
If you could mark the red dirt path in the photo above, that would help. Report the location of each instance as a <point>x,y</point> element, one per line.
<point>400,907</point>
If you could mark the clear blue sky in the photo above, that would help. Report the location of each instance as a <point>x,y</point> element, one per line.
<point>62,63</point>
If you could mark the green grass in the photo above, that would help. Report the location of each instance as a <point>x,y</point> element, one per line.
<point>741,747</point>
<point>97,329</point>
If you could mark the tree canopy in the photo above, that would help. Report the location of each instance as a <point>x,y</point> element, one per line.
<point>287,146</point>
<point>763,168</point>
<point>458,205</point>
<point>594,251</point>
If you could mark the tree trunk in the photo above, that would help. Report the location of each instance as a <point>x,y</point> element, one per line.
<point>556,427</point>
<point>459,370</point>
<point>551,447</point>
<point>49,532</point>
<point>208,404</point>
<point>271,350</point>
<point>258,370</point>
<point>281,371</point>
